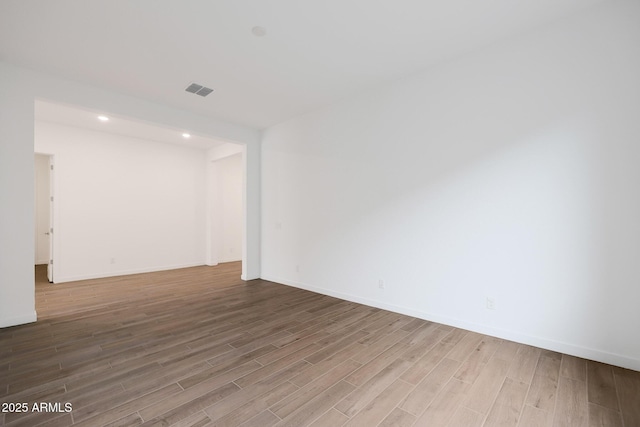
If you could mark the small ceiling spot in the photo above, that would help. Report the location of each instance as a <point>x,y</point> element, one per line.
<point>259,31</point>
<point>186,135</point>
<point>198,89</point>
<point>103,118</point>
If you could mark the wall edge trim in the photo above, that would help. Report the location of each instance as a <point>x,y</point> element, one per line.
<point>541,342</point>
<point>65,279</point>
<point>18,320</point>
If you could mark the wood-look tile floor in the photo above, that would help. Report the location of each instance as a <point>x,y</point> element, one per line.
<point>198,347</point>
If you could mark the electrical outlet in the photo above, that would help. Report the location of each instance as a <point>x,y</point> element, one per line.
<point>491,304</point>
<point>113,260</point>
<point>297,268</point>
<point>381,284</point>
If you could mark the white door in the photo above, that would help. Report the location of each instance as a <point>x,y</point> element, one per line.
<point>42,169</point>
<point>50,230</point>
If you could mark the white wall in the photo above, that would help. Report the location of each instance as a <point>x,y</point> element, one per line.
<point>17,297</point>
<point>19,88</point>
<point>229,171</point>
<point>42,220</point>
<point>123,205</point>
<point>511,173</point>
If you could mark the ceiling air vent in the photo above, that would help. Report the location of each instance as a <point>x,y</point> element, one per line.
<point>198,89</point>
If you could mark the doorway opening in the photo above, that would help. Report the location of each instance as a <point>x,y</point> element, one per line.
<point>118,162</point>
<point>43,227</point>
<point>225,217</point>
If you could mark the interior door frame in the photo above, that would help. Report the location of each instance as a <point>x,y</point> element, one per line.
<point>51,217</point>
<point>51,190</point>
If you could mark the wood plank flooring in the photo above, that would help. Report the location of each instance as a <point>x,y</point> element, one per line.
<point>200,347</point>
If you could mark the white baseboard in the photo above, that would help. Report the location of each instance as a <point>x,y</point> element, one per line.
<point>64,279</point>
<point>548,344</point>
<point>5,322</point>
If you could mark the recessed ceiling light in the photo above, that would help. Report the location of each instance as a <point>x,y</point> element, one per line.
<point>103,118</point>
<point>259,31</point>
<point>186,135</point>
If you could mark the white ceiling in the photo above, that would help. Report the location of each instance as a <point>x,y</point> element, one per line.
<point>87,119</point>
<point>314,52</point>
